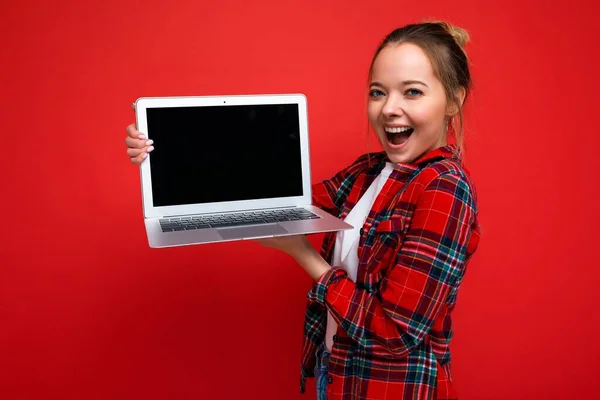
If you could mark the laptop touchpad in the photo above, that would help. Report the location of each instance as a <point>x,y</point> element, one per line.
<point>251,231</point>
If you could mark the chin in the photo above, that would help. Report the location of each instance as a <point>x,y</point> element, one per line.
<point>399,158</point>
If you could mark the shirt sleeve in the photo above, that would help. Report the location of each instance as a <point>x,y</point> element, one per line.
<point>430,262</point>
<point>329,194</point>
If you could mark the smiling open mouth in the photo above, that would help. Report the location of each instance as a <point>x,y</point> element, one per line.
<point>398,136</point>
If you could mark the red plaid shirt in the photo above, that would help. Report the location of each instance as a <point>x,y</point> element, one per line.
<point>394,325</point>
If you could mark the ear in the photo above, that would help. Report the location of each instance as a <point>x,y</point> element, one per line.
<point>453,108</point>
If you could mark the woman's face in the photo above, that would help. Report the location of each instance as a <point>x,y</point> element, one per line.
<point>407,103</point>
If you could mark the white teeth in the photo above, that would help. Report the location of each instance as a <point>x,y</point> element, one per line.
<point>397,130</point>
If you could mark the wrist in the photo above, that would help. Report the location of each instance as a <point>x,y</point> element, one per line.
<point>312,262</point>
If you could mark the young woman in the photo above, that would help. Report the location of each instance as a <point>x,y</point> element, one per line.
<point>378,322</point>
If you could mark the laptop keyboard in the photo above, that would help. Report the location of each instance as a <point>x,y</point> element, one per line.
<point>234,219</point>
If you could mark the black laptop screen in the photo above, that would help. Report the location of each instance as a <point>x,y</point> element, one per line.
<point>224,153</point>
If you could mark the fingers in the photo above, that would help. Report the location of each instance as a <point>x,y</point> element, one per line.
<point>132,153</point>
<point>137,156</point>
<point>132,132</point>
<point>140,158</point>
<point>137,143</point>
<point>138,147</point>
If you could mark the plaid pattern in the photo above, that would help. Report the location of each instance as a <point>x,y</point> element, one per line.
<point>394,322</point>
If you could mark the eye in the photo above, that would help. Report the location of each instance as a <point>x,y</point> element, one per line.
<point>375,93</point>
<point>414,92</point>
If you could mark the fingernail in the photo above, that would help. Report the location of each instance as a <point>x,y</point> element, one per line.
<point>142,137</point>
<point>144,155</point>
<point>149,142</point>
<point>150,149</point>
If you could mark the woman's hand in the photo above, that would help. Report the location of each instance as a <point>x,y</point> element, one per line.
<point>138,146</point>
<point>293,245</point>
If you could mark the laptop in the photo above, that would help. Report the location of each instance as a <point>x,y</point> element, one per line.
<point>227,168</point>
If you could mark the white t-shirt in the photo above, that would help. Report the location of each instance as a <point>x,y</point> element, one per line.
<point>345,252</point>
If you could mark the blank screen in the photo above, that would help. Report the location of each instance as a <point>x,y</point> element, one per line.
<point>224,153</point>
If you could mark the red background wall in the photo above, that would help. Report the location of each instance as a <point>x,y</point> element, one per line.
<point>88,311</point>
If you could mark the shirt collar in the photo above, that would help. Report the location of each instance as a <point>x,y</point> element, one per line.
<point>444,152</point>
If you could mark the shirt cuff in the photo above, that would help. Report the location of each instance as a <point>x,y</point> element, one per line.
<point>319,291</point>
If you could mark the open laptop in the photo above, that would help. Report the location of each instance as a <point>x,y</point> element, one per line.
<point>227,168</point>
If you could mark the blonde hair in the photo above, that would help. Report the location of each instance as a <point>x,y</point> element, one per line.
<point>460,35</point>
<point>444,44</point>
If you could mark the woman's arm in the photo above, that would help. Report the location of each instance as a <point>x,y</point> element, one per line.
<point>430,263</point>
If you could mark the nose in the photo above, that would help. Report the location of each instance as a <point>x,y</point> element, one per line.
<point>392,107</point>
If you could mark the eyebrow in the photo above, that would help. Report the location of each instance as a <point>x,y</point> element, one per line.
<point>409,82</point>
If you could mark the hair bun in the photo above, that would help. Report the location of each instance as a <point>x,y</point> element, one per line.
<point>460,35</point>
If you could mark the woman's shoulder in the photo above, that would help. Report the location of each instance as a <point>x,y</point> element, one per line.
<point>445,160</point>
<point>447,174</point>
<point>447,166</point>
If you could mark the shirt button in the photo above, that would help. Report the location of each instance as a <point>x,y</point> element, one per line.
<point>362,231</point>
<point>330,379</point>
<point>335,338</point>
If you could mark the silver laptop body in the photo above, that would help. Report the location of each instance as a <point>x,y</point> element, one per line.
<point>227,168</point>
